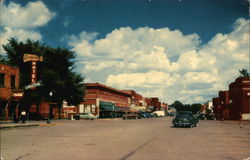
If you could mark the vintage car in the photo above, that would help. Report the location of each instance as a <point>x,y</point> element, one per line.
<point>85,116</point>
<point>130,115</point>
<point>185,119</point>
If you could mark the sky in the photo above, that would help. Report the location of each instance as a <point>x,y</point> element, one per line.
<point>184,50</point>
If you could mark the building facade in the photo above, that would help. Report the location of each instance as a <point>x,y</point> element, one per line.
<point>10,94</point>
<point>137,100</point>
<point>217,109</point>
<point>104,101</point>
<point>239,99</point>
<point>231,103</point>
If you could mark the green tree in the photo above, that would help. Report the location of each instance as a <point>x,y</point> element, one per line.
<point>186,107</point>
<point>55,72</point>
<point>2,59</point>
<point>178,106</point>
<point>196,107</point>
<point>244,73</point>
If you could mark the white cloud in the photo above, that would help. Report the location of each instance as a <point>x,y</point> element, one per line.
<point>151,79</point>
<point>20,34</point>
<point>21,22</point>
<point>34,15</point>
<point>164,63</point>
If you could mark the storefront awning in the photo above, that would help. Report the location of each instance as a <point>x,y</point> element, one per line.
<point>107,106</point>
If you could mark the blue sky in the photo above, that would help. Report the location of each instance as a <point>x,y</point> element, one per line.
<point>183,50</point>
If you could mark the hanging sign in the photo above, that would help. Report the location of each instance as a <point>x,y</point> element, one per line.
<point>33,85</point>
<point>33,58</point>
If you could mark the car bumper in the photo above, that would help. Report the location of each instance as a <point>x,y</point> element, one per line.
<point>180,124</point>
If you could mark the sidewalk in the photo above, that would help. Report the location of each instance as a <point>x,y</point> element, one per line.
<point>11,124</point>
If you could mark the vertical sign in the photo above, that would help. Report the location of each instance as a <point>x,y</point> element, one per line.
<point>33,72</point>
<point>33,58</point>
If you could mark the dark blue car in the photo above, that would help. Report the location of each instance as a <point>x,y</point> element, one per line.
<point>185,119</point>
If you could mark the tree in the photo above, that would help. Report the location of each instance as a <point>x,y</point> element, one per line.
<point>244,73</point>
<point>196,107</point>
<point>178,105</point>
<point>186,107</point>
<point>2,59</point>
<point>55,72</point>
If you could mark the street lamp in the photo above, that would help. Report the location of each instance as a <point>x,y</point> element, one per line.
<point>50,95</point>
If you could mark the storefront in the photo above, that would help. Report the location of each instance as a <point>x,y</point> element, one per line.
<point>10,94</point>
<point>108,110</point>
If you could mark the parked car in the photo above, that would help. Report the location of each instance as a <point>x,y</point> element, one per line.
<point>201,116</point>
<point>85,116</point>
<point>185,119</point>
<point>171,114</point>
<point>210,116</point>
<point>130,115</point>
<point>141,115</point>
<point>159,113</point>
<point>146,114</point>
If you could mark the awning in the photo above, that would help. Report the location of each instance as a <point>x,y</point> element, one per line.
<point>107,106</point>
<point>125,109</point>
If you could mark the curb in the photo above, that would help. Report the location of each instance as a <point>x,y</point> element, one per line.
<point>18,126</point>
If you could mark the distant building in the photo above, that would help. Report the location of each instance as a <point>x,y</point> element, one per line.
<point>209,105</point>
<point>224,102</point>
<point>217,109</point>
<point>104,101</point>
<point>137,100</point>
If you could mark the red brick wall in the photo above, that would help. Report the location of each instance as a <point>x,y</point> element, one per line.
<point>44,109</point>
<point>107,94</point>
<point>238,92</point>
<point>5,93</point>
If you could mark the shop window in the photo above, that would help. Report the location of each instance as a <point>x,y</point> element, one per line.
<point>13,81</point>
<point>93,108</point>
<point>2,79</point>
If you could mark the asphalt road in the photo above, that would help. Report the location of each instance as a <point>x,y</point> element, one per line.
<point>143,139</point>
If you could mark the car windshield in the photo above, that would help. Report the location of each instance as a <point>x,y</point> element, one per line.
<point>184,114</point>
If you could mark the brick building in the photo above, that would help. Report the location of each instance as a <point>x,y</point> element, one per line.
<point>230,103</point>
<point>104,101</point>
<point>217,109</point>
<point>153,104</point>
<point>10,93</point>
<point>221,105</point>
<point>239,92</point>
<point>224,102</point>
<point>137,100</point>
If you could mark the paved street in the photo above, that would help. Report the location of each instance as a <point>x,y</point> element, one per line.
<point>143,139</point>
